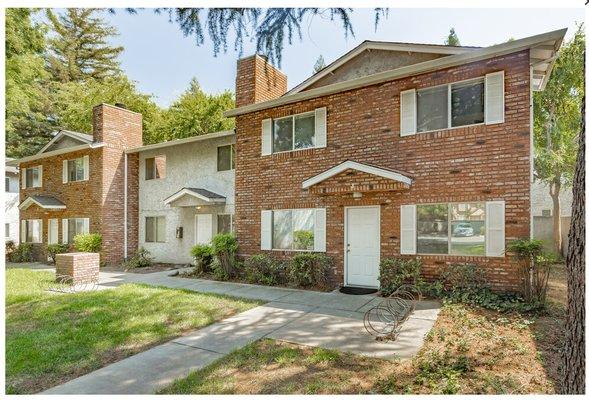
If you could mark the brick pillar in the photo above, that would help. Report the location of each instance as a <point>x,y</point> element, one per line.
<point>81,267</point>
<point>257,80</point>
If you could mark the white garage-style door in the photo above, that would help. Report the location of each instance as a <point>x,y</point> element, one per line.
<point>203,228</point>
<point>362,237</point>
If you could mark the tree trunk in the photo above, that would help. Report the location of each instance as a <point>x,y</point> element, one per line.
<point>556,220</point>
<point>574,352</point>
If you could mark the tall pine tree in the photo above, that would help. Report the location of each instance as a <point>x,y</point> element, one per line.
<point>79,48</point>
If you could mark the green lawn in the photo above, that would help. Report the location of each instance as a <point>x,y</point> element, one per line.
<point>52,338</point>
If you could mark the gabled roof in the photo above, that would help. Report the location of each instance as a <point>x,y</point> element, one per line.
<point>176,142</point>
<point>199,193</point>
<point>369,169</point>
<point>47,202</point>
<point>51,153</point>
<point>368,45</point>
<point>543,51</point>
<point>83,138</point>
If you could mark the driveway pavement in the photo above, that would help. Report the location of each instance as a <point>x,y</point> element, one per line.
<point>331,320</point>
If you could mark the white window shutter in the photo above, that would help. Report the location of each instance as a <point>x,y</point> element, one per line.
<point>23,178</point>
<point>408,229</point>
<point>495,228</point>
<point>86,225</point>
<point>321,127</point>
<point>23,231</point>
<point>40,176</point>
<point>408,112</point>
<point>86,167</point>
<point>320,243</point>
<point>64,230</point>
<point>64,172</point>
<point>494,98</point>
<point>52,231</point>
<point>40,233</point>
<point>266,230</point>
<point>266,137</point>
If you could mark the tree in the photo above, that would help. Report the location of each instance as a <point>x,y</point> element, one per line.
<point>452,39</point>
<point>27,97</point>
<point>319,64</point>
<point>270,28</point>
<point>73,103</point>
<point>556,124</point>
<point>574,352</point>
<point>195,113</point>
<point>79,49</point>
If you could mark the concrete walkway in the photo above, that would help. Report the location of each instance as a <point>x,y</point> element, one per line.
<point>331,320</point>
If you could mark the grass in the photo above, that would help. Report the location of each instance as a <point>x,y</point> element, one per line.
<point>469,350</point>
<point>52,338</point>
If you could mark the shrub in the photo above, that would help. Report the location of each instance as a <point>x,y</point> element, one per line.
<point>55,249</point>
<point>534,268</point>
<point>88,242</point>
<point>203,256</point>
<point>22,253</point>
<point>265,270</point>
<point>9,248</point>
<point>224,248</point>
<point>141,259</point>
<point>309,269</point>
<point>395,272</point>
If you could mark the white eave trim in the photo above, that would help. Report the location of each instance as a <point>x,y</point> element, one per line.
<point>372,45</point>
<point>177,142</point>
<point>414,69</point>
<point>30,201</point>
<point>369,169</point>
<point>61,134</point>
<point>188,192</point>
<point>34,157</point>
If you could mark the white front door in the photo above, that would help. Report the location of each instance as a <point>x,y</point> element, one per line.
<point>203,228</point>
<point>362,225</point>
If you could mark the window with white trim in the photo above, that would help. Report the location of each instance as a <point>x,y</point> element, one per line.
<point>293,229</point>
<point>226,157</point>
<point>294,132</point>
<point>224,223</point>
<point>76,226</point>
<point>75,170</point>
<point>32,176</point>
<point>451,228</point>
<point>32,231</point>
<point>155,229</point>
<point>451,105</point>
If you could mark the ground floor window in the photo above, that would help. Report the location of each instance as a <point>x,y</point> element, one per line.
<point>155,229</point>
<point>293,229</point>
<point>224,223</point>
<point>454,228</point>
<point>75,226</point>
<point>6,230</point>
<point>33,231</point>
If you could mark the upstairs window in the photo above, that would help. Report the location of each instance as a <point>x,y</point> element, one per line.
<point>32,176</point>
<point>226,157</point>
<point>7,185</point>
<point>155,167</point>
<point>295,132</point>
<point>76,170</point>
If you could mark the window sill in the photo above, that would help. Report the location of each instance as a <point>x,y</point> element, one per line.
<point>295,251</point>
<point>444,130</point>
<point>293,153</point>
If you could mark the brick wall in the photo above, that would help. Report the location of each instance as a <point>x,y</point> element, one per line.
<point>80,267</point>
<point>257,81</point>
<point>476,163</point>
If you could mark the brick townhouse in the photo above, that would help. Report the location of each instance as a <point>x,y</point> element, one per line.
<point>77,184</point>
<point>392,150</point>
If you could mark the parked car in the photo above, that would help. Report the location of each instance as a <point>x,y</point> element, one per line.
<point>463,229</point>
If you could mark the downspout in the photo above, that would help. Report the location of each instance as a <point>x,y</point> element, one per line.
<point>531,148</point>
<point>125,210</point>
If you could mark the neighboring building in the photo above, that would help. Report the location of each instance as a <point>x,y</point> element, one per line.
<point>542,213</point>
<point>393,149</point>
<point>11,231</point>
<point>186,194</point>
<point>78,183</point>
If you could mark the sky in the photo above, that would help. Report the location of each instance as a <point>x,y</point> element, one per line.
<point>162,61</point>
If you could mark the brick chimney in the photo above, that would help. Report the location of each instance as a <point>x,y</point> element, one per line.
<point>257,80</point>
<point>117,126</point>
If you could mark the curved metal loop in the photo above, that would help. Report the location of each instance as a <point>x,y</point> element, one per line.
<point>64,284</point>
<point>384,320</point>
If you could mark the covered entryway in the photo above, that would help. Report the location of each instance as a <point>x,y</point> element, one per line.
<point>362,242</point>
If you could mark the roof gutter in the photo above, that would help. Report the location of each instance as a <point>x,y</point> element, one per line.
<point>160,145</point>
<point>17,162</point>
<point>419,68</point>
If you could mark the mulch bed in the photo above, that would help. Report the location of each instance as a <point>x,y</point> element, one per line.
<point>156,267</point>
